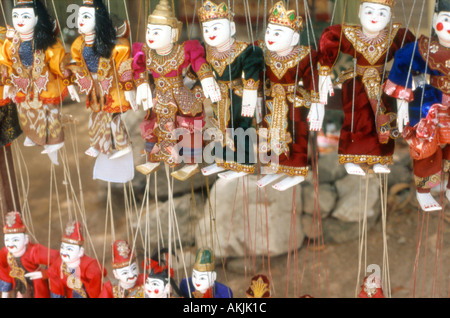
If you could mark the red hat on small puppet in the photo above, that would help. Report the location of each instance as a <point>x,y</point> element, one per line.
<point>73,234</point>
<point>121,254</point>
<point>14,224</point>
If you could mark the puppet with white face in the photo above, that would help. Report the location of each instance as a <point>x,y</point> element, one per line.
<point>20,261</point>
<point>369,130</point>
<point>233,114</point>
<point>423,109</point>
<point>175,120</point>
<point>37,78</point>
<point>290,105</point>
<point>160,282</point>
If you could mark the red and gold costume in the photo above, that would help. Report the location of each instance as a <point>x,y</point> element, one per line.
<point>371,290</point>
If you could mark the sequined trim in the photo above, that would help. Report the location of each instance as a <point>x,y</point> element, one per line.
<point>290,171</point>
<point>164,64</point>
<point>220,60</point>
<point>136,292</point>
<point>361,159</point>
<point>281,64</point>
<point>251,84</point>
<point>236,167</point>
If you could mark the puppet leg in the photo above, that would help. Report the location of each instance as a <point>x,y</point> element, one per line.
<point>427,174</point>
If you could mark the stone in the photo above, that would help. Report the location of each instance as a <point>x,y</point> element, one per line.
<point>336,231</point>
<point>400,174</point>
<point>329,168</point>
<point>327,199</point>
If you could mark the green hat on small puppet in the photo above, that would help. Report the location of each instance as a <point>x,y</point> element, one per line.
<point>204,260</point>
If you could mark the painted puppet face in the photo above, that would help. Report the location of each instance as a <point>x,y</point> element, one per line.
<point>159,36</point>
<point>203,280</point>
<point>442,26</point>
<point>16,243</point>
<point>279,38</point>
<point>71,253</point>
<point>24,20</point>
<point>218,32</point>
<point>374,17</point>
<point>156,288</point>
<point>128,275</point>
<point>86,20</point>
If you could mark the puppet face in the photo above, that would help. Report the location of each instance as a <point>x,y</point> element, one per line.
<point>374,17</point>
<point>86,20</point>
<point>159,36</point>
<point>203,280</point>
<point>71,253</point>
<point>218,32</point>
<point>279,38</point>
<point>16,243</point>
<point>24,20</point>
<point>441,25</point>
<point>156,288</point>
<point>128,275</point>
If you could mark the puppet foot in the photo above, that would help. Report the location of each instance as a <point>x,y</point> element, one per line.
<point>52,148</point>
<point>92,152</point>
<point>148,168</point>
<point>230,175</point>
<point>378,168</point>
<point>288,183</point>
<point>427,202</point>
<point>186,172</point>
<point>268,179</point>
<point>120,153</point>
<point>53,157</point>
<point>212,169</point>
<point>354,169</point>
<point>29,143</point>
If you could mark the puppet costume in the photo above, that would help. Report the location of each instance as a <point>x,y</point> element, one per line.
<point>369,128</point>
<point>111,290</point>
<point>176,106</point>
<point>104,81</point>
<point>428,57</point>
<point>217,291</point>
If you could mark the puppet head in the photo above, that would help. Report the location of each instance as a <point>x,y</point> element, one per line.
<point>375,15</point>
<point>160,278</point>
<point>441,22</point>
<point>217,23</point>
<point>31,18</point>
<point>259,287</point>
<point>203,273</point>
<point>124,268</point>
<point>163,27</point>
<point>72,250</point>
<point>15,237</point>
<point>283,29</point>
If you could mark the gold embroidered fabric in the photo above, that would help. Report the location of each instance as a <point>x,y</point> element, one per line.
<point>281,64</point>
<point>221,60</point>
<point>73,282</point>
<point>363,159</point>
<point>236,167</point>
<point>164,64</point>
<point>16,272</point>
<point>427,182</point>
<point>136,292</point>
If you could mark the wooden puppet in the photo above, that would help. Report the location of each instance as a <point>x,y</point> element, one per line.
<point>237,66</point>
<point>172,109</point>
<point>368,134</point>
<point>423,114</point>
<point>22,263</point>
<point>259,287</point>
<point>371,288</point>
<point>291,105</point>
<point>73,274</point>
<point>125,269</point>
<point>203,283</point>
<point>37,78</point>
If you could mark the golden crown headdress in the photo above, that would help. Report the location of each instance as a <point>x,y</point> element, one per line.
<point>389,3</point>
<point>164,15</point>
<point>211,11</point>
<point>281,16</point>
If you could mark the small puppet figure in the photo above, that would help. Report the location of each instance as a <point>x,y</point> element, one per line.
<point>160,282</point>
<point>424,114</point>
<point>291,105</point>
<point>126,271</point>
<point>73,274</point>
<point>259,287</point>
<point>237,66</point>
<point>371,288</point>
<point>172,108</point>
<point>103,71</point>
<point>37,78</point>
<point>367,137</point>
<point>22,263</point>
<point>203,283</point>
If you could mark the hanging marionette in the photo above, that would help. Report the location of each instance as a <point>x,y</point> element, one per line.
<point>37,78</point>
<point>423,114</point>
<point>103,71</point>
<point>172,109</point>
<point>291,105</point>
<point>74,274</point>
<point>237,66</point>
<point>259,287</point>
<point>22,263</point>
<point>368,134</point>
<point>371,288</point>
<point>160,282</point>
<point>203,283</point>
<point>126,271</point>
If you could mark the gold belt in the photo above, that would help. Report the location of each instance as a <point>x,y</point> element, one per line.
<point>165,83</point>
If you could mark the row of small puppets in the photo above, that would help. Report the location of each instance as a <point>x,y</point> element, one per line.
<point>171,80</point>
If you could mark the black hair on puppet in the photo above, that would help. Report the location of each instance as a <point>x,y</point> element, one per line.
<point>157,273</point>
<point>44,32</point>
<point>105,34</point>
<point>443,6</point>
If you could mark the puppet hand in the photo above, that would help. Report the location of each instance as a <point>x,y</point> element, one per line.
<point>316,116</point>
<point>402,114</point>
<point>130,96</point>
<point>144,96</point>
<point>8,92</point>
<point>249,100</point>
<point>211,89</point>
<point>325,88</point>
<point>34,275</point>
<point>259,109</point>
<point>73,93</point>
